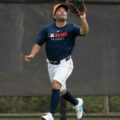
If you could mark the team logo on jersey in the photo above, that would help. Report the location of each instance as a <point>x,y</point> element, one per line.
<point>51,35</point>
<point>57,35</point>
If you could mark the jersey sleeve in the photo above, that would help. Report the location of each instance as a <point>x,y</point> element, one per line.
<point>76,30</point>
<point>40,40</point>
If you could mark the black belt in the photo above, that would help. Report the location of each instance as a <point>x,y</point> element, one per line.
<point>57,62</point>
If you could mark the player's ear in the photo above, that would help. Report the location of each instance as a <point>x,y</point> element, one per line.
<point>54,16</point>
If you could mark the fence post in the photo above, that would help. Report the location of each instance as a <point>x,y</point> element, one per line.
<point>106,105</point>
<point>63,109</point>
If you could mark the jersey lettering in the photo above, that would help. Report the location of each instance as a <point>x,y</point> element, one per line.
<point>57,35</point>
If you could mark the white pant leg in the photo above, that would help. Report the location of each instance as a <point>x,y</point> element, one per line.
<point>60,72</point>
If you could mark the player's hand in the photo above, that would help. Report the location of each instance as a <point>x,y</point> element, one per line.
<point>83,16</point>
<point>28,58</point>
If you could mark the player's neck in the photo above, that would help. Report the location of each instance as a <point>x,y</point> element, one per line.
<point>60,24</point>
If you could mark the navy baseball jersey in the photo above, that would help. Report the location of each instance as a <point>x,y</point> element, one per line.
<point>59,41</point>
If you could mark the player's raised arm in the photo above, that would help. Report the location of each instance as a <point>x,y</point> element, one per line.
<point>84,25</point>
<point>79,8</point>
<point>34,51</point>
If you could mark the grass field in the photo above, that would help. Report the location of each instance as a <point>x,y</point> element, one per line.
<point>19,119</point>
<point>58,119</point>
<point>30,116</point>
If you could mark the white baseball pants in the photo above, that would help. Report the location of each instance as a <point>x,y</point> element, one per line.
<point>60,72</point>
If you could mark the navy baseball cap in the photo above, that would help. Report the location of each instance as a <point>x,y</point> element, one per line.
<point>58,6</point>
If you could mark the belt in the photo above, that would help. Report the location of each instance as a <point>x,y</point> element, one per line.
<point>57,62</point>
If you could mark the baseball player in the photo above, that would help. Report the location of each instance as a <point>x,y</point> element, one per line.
<point>59,39</point>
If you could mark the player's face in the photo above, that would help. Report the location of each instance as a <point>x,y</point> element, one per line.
<point>61,14</point>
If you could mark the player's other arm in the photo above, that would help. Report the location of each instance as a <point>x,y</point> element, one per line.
<point>36,47</point>
<point>34,51</point>
<point>84,25</point>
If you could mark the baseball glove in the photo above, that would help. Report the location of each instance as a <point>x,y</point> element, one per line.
<point>77,7</point>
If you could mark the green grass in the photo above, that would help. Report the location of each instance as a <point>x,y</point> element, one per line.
<point>58,119</point>
<point>20,119</point>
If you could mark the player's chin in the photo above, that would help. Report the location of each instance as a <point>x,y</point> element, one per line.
<point>62,19</point>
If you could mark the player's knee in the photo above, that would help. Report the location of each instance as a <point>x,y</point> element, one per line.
<point>63,92</point>
<point>56,85</point>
